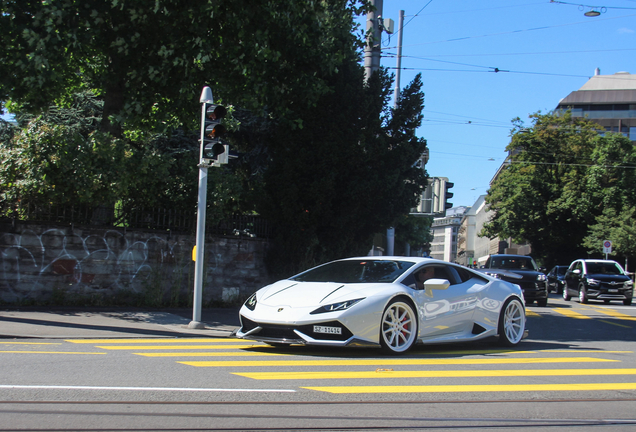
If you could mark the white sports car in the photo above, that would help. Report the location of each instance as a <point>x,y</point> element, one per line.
<point>392,302</point>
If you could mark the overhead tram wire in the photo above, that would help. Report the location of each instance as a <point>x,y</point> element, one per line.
<point>517,31</point>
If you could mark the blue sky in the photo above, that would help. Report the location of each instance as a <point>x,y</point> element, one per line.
<point>544,51</point>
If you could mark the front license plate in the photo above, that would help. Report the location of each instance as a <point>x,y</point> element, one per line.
<point>328,330</point>
<point>612,290</point>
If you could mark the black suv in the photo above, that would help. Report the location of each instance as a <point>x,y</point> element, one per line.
<point>604,280</point>
<point>520,270</point>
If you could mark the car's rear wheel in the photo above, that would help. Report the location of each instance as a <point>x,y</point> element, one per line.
<point>512,322</point>
<point>398,329</point>
<point>582,294</point>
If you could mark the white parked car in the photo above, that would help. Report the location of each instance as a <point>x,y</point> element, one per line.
<point>388,302</point>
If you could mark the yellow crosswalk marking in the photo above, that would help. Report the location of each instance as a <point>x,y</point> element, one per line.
<point>392,362</point>
<point>533,314</point>
<point>155,340</point>
<point>50,352</point>
<point>30,343</point>
<point>570,313</point>
<point>311,375</point>
<point>613,313</point>
<point>172,347</point>
<point>475,388</point>
<point>212,354</point>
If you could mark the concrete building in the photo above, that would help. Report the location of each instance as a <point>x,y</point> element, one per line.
<point>609,100</point>
<point>445,234</point>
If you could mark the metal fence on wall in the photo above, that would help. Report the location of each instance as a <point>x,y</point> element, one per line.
<point>151,219</point>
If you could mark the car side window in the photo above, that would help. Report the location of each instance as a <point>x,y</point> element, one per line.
<point>465,275</point>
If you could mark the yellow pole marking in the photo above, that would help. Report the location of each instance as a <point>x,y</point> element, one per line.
<point>212,354</point>
<point>475,388</point>
<point>172,347</point>
<point>430,374</point>
<point>155,340</point>
<point>49,352</point>
<point>385,362</point>
<point>570,313</point>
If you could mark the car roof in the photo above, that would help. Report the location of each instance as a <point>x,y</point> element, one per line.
<point>415,260</point>
<point>596,260</point>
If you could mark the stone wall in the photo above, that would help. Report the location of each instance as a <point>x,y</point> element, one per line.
<point>61,264</point>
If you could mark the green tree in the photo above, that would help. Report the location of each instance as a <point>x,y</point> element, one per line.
<point>149,59</point>
<point>348,174</point>
<point>559,177</point>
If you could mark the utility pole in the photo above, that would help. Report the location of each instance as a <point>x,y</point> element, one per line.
<point>373,46</point>
<point>398,68</point>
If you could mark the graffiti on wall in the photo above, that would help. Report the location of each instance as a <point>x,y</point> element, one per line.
<point>32,262</point>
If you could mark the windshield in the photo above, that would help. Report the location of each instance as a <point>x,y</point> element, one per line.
<point>355,271</point>
<point>513,263</point>
<point>604,268</point>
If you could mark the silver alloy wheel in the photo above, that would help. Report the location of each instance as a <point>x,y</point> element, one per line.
<point>398,328</point>
<point>512,322</point>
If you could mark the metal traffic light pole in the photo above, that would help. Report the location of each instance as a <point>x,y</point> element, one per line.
<point>206,97</point>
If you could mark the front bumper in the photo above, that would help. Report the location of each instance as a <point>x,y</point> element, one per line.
<point>299,335</point>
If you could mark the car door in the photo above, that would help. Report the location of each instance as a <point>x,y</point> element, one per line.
<point>446,311</point>
<point>573,276</point>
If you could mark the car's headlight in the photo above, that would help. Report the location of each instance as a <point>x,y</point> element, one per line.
<point>628,284</point>
<point>495,275</point>
<point>592,282</point>
<point>250,303</point>
<point>541,277</point>
<point>336,307</point>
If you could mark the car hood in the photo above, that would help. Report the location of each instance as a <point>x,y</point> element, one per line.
<point>609,278</point>
<point>513,275</point>
<point>302,294</point>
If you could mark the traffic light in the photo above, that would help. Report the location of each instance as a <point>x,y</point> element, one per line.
<point>448,195</point>
<point>212,147</point>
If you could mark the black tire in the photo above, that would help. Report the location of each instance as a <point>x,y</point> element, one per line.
<point>542,302</point>
<point>582,294</point>
<point>627,302</point>
<point>398,327</point>
<point>512,322</point>
<point>566,295</point>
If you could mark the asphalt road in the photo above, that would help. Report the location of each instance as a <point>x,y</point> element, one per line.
<point>576,371</point>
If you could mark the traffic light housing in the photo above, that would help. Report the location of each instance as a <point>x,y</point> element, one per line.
<point>212,149</point>
<point>448,195</point>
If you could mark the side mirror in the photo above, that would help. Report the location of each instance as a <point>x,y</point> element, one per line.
<point>435,284</point>
<point>543,269</point>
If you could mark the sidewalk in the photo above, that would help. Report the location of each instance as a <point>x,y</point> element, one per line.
<point>80,323</point>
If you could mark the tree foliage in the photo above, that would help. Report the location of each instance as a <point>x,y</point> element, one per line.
<point>560,178</point>
<point>107,100</point>
<point>149,59</point>
<point>348,174</point>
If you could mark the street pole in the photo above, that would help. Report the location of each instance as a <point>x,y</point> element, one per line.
<point>206,97</point>
<point>373,46</point>
<point>398,68</point>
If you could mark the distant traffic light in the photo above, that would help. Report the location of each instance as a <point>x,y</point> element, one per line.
<point>448,195</point>
<point>213,149</point>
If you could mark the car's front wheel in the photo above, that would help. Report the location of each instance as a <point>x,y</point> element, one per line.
<point>582,294</point>
<point>512,322</point>
<point>566,294</point>
<point>398,329</point>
